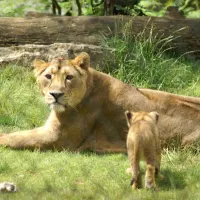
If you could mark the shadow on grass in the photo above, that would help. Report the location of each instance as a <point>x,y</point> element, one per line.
<point>92,153</point>
<point>172,180</point>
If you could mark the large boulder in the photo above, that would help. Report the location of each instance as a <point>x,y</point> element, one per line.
<point>24,54</point>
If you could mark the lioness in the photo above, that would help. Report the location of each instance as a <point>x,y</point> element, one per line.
<point>143,142</point>
<point>87,110</point>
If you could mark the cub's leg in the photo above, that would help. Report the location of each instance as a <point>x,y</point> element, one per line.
<point>157,167</point>
<point>150,176</point>
<point>136,177</point>
<point>135,166</point>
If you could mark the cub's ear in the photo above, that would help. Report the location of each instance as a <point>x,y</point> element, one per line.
<point>82,60</point>
<point>128,115</point>
<point>154,115</point>
<point>39,66</point>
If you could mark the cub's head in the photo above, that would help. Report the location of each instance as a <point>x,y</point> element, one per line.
<point>63,82</point>
<point>133,117</point>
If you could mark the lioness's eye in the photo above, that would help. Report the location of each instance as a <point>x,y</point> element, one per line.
<point>69,77</point>
<point>48,76</point>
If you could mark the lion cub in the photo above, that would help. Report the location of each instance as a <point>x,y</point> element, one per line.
<point>143,142</point>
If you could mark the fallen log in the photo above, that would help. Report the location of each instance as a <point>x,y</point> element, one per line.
<point>89,30</point>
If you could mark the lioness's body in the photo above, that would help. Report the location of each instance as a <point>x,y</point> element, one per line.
<point>143,143</point>
<point>91,115</point>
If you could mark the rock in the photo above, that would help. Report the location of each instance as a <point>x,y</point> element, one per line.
<point>7,187</point>
<point>25,54</point>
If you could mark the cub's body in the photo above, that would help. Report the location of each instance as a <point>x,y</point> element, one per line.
<point>143,143</point>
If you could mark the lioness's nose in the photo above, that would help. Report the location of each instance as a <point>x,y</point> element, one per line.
<point>56,95</point>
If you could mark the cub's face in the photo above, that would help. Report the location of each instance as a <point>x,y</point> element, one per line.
<point>63,82</point>
<point>132,117</point>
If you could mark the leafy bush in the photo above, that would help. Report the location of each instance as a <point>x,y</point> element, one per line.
<point>13,8</point>
<point>18,8</point>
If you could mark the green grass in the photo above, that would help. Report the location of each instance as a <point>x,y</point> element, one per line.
<point>66,175</point>
<point>149,62</point>
<point>20,98</point>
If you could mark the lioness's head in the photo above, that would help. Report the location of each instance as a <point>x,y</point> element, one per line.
<point>63,82</point>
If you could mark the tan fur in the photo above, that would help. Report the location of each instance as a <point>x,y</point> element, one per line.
<point>143,142</point>
<point>89,112</point>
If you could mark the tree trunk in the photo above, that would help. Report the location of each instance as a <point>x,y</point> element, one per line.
<point>89,30</point>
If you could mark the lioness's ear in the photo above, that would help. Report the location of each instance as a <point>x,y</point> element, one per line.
<point>82,60</point>
<point>128,115</point>
<point>155,116</point>
<point>39,66</point>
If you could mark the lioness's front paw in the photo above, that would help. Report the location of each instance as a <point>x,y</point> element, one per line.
<point>7,187</point>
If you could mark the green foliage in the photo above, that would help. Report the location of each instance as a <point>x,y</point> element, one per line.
<point>190,8</point>
<point>12,8</point>
<point>143,61</point>
<point>92,7</point>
